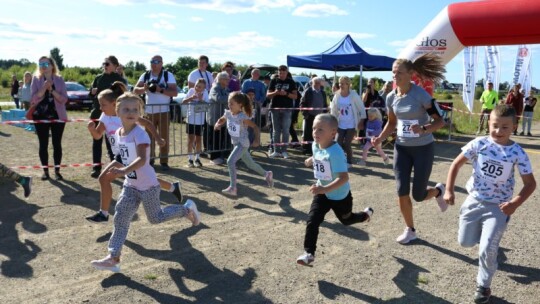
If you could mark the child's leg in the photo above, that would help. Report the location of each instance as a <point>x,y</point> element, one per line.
<point>153,210</point>
<point>380,151</point>
<point>191,141</point>
<point>319,208</point>
<point>127,205</point>
<point>165,185</point>
<point>251,164</point>
<point>493,227</point>
<point>365,150</point>
<point>105,179</point>
<point>9,174</point>
<point>198,146</point>
<point>343,211</point>
<point>470,222</point>
<point>235,155</point>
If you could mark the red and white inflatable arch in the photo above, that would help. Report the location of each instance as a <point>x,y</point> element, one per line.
<point>493,22</point>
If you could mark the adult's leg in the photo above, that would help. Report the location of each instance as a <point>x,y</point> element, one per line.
<point>154,118</point>
<point>292,126</point>
<point>347,144</point>
<point>308,132</point>
<point>423,157</point>
<point>164,133</point>
<point>57,131</point>
<point>403,164</point>
<point>286,124</point>
<point>42,131</point>
<point>277,117</point>
<point>319,207</point>
<point>97,144</point>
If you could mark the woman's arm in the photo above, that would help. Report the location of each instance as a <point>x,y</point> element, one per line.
<point>59,93</point>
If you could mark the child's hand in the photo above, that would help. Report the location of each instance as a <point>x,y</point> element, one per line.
<point>160,141</point>
<point>316,189</point>
<point>309,162</point>
<point>508,208</point>
<point>118,171</point>
<point>91,125</point>
<point>449,197</point>
<point>217,127</point>
<point>375,141</point>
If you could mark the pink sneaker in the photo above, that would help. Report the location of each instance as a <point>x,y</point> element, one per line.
<point>107,263</point>
<point>229,191</point>
<point>269,177</point>
<point>193,214</point>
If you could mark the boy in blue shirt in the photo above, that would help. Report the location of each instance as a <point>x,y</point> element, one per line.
<point>332,190</point>
<point>486,211</point>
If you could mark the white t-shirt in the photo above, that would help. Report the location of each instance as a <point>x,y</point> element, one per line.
<point>493,169</point>
<point>158,98</point>
<point>346,115</point>
<point>145,177</point>
<point>207,76</point>
<point>112,124</point>
<point>196,108</point>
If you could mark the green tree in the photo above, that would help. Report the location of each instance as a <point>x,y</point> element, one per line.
<point>55,54</point>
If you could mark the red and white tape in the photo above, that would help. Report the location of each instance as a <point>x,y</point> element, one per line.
<point>27,121</point>
<point>58,166</point>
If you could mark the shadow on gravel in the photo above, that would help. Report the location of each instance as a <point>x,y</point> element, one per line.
<point>407,280</point>
<point>5,134</point>
<point>220,285</point>
<point>297,216</point>
<point>18,252</point>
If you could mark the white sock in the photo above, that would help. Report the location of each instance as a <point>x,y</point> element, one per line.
<point>106,213</point>
<point>190,156</point>
<point>197,156</point>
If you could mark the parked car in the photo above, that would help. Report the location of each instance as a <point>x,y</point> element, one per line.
<point>77,96</point>
<point>182,92</point>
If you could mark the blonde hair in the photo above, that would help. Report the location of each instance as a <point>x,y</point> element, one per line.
<point>55,70</point>
<point>327,118</point>
<point>376,112</point>
<point>428,67</point>
<point>128,97</point>
<point>345,79</point>
<point>200,80</point>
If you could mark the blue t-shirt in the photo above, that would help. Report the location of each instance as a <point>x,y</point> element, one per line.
<point>331,161</point>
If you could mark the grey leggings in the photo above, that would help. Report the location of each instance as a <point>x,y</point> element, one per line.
<point>421,159</point>
<point>127,205</point>
<point>238,153</point>
<point>344,139</point>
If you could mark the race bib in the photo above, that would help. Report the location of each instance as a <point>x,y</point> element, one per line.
<point>404,128</point>
<point>128,153</point>
<point>112,141</point>
<point>493,170</point>
<point>322,170</point>
<point>234,128</point>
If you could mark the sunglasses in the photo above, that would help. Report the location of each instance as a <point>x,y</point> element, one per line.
<point>44,64</point>
<point>155,61</point>
<point>106,63</point>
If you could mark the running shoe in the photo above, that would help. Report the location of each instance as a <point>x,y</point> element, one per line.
<point>305,259</point>
<point>440,199</point>
<point>107,263</point>
<point>193,214</point>
<point>407,236</point>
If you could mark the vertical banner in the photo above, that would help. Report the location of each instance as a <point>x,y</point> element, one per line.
<point>493,68</point>
<point>523,59</point>
<point>527,80</point>
<point>469,69</point>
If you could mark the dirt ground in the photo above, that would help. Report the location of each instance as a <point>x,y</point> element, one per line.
<point>245,249</point>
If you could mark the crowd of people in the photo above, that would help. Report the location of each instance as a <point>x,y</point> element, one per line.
<point>133,125</point>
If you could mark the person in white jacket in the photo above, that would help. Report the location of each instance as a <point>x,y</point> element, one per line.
<point>348,108</point>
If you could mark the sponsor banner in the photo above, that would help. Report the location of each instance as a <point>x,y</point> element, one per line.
<point>470,58</point>
<point>527,80</point>
<point>493,67</point>
<point>521,66</point>
<point>437,37</point>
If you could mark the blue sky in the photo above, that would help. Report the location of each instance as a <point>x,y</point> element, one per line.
<point>243,31</point>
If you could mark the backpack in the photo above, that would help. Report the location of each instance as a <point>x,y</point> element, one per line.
<point>165,74</point>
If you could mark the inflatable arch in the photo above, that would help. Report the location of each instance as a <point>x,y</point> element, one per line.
<point>480,23</point>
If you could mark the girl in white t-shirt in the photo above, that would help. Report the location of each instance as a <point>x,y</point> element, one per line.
<point>195,97</point>
<point>140,185</point>
<point>108,124</point>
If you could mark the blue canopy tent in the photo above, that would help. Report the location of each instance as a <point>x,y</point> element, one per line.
<point>346,55</point>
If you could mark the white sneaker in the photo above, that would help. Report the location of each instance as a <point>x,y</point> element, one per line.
<point>269,177</point>
<point>440,199</point>
<point>305,259</point>
<point>107,263</point>
<point>407,236</point>
<point>193,214</point>
<point>362,163</point>
<point>386,160</point>
<point>275,155</point>
<point>229,191</point>
<point>285,155</point>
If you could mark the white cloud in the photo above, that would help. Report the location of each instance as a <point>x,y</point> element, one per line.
<point>318,10</point>
<point>197,19</point>
<point>160,16</point>
<point>338,34</point>
<point>400,43</point>
<point>120,2</point>
<point>163,24</point>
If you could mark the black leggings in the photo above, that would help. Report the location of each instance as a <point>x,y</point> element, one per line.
<point>97,145</point>
<point>56,130</point>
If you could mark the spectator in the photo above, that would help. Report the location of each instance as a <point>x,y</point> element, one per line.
<point>217,139</point>
<point>15,90</point>
<point>102,82</point>
<point>381,102</point>
<point>234,83</point>
<point>515,100</point>
<point>314,97</point>
<point>282,92</point>
<point>489,101</point>
<point>120,71</point>
<point>49,98</point>
<point>25,92</point>
<point>528,112</point>
<point>201,72</point>
<point>370,93</point>
<point>294,116</point>
<point>259,89</point>
<point>159,86</point>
